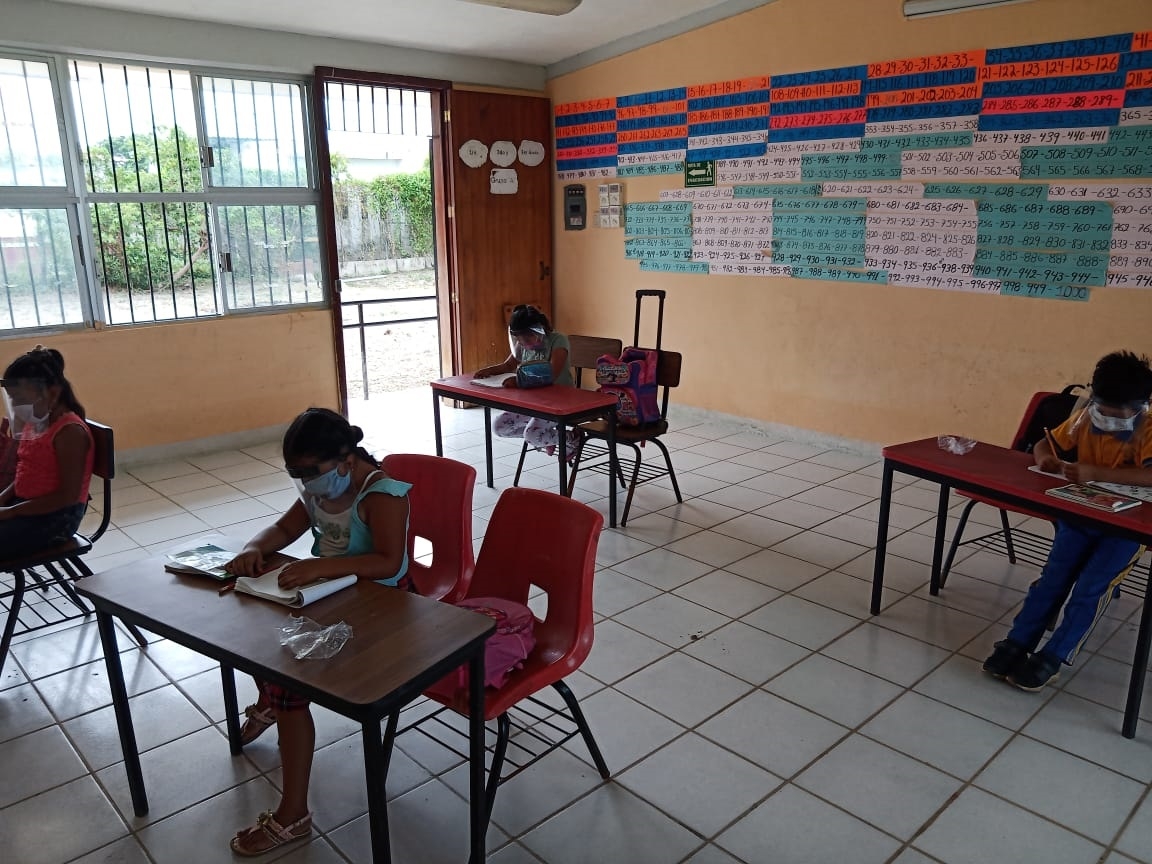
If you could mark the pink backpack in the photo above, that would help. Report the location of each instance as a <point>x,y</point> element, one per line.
<point>631,378</point>
<point>505,650</point>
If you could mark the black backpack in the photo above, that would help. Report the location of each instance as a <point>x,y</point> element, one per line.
<point>1050,412</point>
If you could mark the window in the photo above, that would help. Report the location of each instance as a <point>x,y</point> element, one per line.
<point>191,195</point>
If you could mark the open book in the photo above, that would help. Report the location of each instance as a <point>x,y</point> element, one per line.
<point>267,587</point>
<point>1143,493</point>
<point>1090,496</point>
<point>206,560</point>
<point>496,381</point>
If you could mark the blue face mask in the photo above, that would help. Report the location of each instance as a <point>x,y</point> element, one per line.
<point>330,485</point>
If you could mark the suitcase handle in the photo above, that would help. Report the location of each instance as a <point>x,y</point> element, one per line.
<point>650,293</point>
<point>659,295</point>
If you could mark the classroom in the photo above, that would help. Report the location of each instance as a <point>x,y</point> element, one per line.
<point>865,223</point>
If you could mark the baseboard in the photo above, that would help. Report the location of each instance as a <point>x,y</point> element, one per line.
<point>197,446</point>
<point>683,416</point>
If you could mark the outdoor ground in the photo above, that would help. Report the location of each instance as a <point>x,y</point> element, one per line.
<point>400,356</point>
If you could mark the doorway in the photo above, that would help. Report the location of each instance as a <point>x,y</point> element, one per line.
<point>379,167</point>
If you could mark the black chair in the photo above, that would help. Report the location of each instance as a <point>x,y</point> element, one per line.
<point>63,562</point>
<point>595,456</point>
<point>583,352</point>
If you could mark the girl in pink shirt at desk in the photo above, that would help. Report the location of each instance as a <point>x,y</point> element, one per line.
<point>47,500</point>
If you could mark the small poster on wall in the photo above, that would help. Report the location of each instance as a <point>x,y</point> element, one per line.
<point>531,153</point>
<point>473,153</point>
<point>504,181</point>
<point>502,153</point>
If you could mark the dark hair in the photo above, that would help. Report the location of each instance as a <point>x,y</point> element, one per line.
<point>46,366</point>
<point>1122,377</point>
<point>525,318</point>
<point>323,434</point>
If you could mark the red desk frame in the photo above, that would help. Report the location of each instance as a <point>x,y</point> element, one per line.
<point>564,406</point>
<point>1001,475</point>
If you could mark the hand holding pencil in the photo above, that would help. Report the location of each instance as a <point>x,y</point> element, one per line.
<point>1050,462</point>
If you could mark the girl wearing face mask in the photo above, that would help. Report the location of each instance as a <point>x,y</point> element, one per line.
<point>358,518</point>
<point>1110,440</point>
<point>532,340</point>
<point>47,500</point>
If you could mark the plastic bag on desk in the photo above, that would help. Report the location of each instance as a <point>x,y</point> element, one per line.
<point>307,640</point>
<point>956,444</point>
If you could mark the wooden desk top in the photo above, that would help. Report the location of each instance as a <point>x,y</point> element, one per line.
<point>555,401</point>
<point>396,636</point>
<point>999,469</point>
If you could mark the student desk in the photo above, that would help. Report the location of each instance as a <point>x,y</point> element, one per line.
<point>564,406</point>
<point>1002,475</point>
<point>401,644</point>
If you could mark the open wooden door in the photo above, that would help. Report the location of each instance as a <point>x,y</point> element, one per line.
<point>499,225</point>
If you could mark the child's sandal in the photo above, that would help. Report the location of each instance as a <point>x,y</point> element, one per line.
<point>257,721</point>
<point>268,834</point>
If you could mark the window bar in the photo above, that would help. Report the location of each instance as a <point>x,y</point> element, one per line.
<point>28,262</point>
<point>372,98</point>
<point>135,148</point>
<point>248,248</point>
<point>256,135</point>
<point>8,134</point>
<point>56,267</point>
<point>285,246</point>
<point>176,135</point>
<point>84,127</point>
<point>230,275</point>
<point>103,260</point>
<point>32,118</point>
<point>239,149</point>
<point>219,166</point>
<point>111,149</point>
<point>267,244</point>
<point>4,277</point>
<point>276,136</point>
<point>147,255</point>
<point>168,258</point>
<point>402,92</point>
<point>155,134</point>
<point>191,263</point>
<point>292,106</point>
<point>388,108</point>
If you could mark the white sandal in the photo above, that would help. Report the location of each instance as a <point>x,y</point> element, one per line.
<point>268,830</point>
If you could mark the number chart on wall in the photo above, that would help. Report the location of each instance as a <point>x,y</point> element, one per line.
<point>1019,171</point>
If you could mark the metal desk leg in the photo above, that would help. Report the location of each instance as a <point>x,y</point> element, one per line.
<point>376,779</point>
<point>488,444</point>
<point>938,549</point>
<point>231,709</point>
<point>477,800</point>
<point>881,537</point>
<point>612,467</point>
<point>562,452</point>
<point>1139,667</point>
<point>107,630</point>
<point>436,423</point>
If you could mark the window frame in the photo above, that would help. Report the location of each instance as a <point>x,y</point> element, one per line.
<point>76,199</point>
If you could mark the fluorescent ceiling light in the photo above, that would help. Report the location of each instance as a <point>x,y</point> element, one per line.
<point>917,8</point>
<point>543,7</point>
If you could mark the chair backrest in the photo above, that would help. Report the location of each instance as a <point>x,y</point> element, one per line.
<point>440,511</point>
<point>104,467</point>
<point>584,351</point>
<point>1045,410</point>
<point>540,538</point>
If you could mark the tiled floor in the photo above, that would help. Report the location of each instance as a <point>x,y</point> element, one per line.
<point>749,707</point>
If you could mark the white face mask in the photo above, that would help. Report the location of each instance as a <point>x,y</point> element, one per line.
<point>24,417</point>
<point>1107,423</point>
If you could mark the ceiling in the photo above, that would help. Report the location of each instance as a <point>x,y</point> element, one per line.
<point>440,25</point>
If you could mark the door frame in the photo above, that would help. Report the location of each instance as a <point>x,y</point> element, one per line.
<point>441,195</point>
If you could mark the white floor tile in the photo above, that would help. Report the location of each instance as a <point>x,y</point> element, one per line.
<point>662,568</point>
<point>825,551</point>
<point>625,730</point>
<point>22,711</point>
<point>672,620</point>
<point>36,762</point>
<point>781,830</point>
<point>727,593</point>
<point>782,572</point>
<point>712,548</point>
<point>615,592</point>
<point>756,530</point>
<point>683,689</point>
<point>845,594</point>
<point>978,828</point>
<point>619,651</point>
<point>833,690</point>
<point>60,825</point>
<point>1092,732</point>
<point>1137,837</point>
<point>746,652</point>
<point>889,655</point>
<point>799,621</point>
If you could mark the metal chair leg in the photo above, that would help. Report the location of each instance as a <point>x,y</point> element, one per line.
<point>585,730</point>
<point>13,615</point>
<point>576,465</point>
<point>503,732</point>
<point>137,635</point>
<point>65,582</point>
<point>671,470</point>
<point>40,581</point>
<point>1008,537</point>
<point>955,542</point>
<point>631,486</point>
<point>389,740</point>
<point>520,464</point>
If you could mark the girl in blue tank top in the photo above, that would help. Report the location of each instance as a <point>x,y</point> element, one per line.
<point>358,518</point>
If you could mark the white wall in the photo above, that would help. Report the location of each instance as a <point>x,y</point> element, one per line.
<point>62,27</point>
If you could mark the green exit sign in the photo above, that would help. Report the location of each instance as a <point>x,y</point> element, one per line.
<point>700,173</point>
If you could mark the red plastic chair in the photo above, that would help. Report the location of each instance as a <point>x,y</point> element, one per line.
<point>441,512</point>
<point>541,539</point>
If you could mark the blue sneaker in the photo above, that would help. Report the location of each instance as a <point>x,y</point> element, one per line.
<point>1037,671</point>
<point>1005,659</point>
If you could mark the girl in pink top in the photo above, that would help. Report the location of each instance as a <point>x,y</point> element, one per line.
<point>47,500</point>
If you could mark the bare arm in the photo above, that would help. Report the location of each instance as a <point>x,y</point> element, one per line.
<point>509,365</point>
<point>71,445</point>
<point>275,537</point>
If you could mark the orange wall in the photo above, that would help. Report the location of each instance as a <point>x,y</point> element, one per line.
<point>871,363</point>
<point>167,383</point>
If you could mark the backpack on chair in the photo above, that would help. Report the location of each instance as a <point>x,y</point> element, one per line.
<point>631,378</point>
<point>506,649</point>
<point>1050,413</point>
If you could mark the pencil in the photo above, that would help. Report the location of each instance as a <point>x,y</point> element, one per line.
<point>1056,450</point>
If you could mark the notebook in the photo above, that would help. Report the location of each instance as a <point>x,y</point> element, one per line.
<point>267,587</point>
<point>1143,493</point>
<point>1090,496</point>
<point>496,381</point>
<point>205,560</point>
